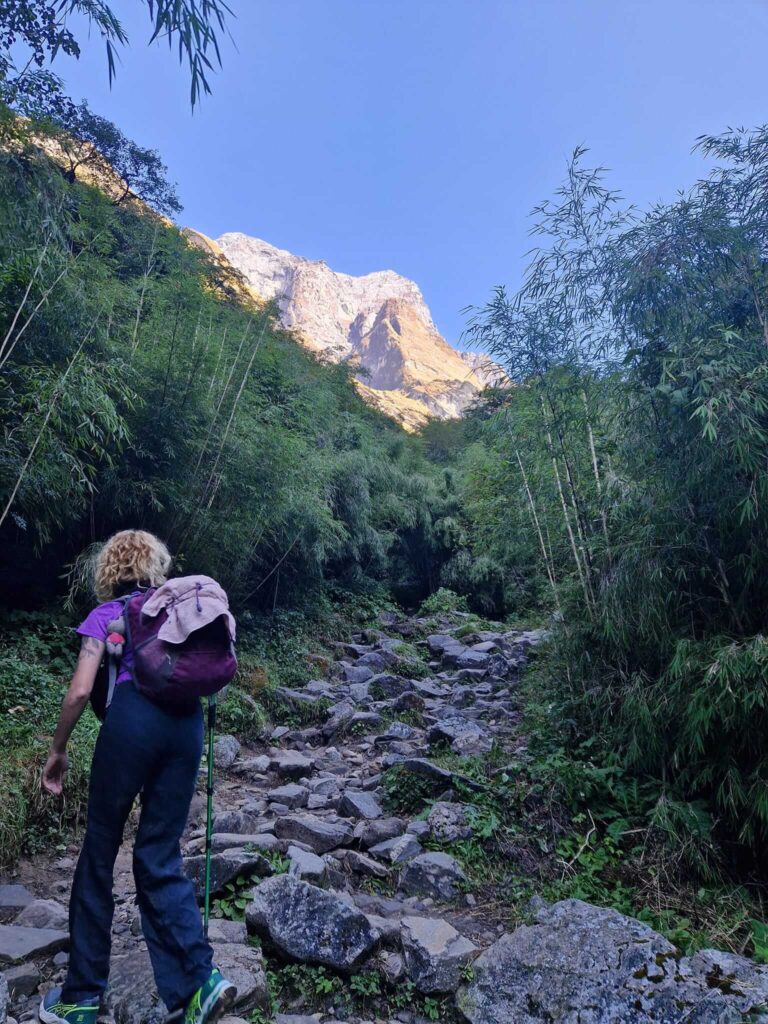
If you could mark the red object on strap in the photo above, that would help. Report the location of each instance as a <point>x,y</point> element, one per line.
<point>115,638</point>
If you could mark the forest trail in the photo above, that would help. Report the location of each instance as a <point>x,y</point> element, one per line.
<point>340,842</point>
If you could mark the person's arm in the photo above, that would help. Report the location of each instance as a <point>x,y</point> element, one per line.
<point>73,705</point>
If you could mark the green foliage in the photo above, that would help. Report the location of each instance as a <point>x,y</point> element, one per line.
<point>365,994</point>
<point>36,658</point>
<point>621,483</point>
<point>443,602</point>
<point>33,32</point>
<point>234,899</point>
<point>406,793</point>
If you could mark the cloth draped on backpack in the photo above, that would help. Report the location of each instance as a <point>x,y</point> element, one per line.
<point>190,602</point>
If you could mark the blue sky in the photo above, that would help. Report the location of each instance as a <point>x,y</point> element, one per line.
<point>416,135</point>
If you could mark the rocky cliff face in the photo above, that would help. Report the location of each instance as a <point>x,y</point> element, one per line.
<point>378,321</point>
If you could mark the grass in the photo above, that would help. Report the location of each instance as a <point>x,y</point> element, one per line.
<point>37,656</point>
<point>365,993</point>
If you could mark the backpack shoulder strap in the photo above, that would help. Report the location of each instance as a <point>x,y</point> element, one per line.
<point>115,652</point>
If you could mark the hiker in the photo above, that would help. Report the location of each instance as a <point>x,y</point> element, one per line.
<point>143,748</point>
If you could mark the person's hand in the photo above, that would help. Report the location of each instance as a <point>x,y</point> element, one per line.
<point>53,773</point>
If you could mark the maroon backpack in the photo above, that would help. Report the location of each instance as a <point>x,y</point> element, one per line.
<point>177,674</point>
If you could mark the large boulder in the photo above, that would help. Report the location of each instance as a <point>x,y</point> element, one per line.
<point>309,924</point>
<point>320,834</point>
<point>581,963</point>
<point>436,875</point>
<point>435,953</point>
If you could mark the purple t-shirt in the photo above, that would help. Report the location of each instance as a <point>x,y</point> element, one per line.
<point>95,625</point>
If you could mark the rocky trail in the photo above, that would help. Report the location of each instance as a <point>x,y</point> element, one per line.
<point>315,868</point>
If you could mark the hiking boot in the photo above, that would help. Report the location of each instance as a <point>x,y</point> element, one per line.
<point>210,1001</point>
<point>53,1011</point>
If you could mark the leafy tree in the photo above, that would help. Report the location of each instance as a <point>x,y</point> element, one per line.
<point>41,28</point>
<point>120,166</point>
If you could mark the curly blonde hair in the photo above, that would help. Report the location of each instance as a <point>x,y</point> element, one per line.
<point>130,556</point>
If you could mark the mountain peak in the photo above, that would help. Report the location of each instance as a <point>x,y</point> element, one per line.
<point>378,320</point>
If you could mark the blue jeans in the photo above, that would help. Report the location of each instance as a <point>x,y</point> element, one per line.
<point>141,749</point>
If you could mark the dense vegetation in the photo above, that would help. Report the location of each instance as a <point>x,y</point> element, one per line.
<point>620,481</point>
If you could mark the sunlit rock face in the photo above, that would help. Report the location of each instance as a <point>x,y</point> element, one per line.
<point>378,322</point>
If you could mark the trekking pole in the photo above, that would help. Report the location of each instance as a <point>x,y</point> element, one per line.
<point>209,813</point>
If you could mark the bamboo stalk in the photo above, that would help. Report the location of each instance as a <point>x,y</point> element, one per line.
<point>23,302</point>
<point>537,526</point>
<point>4,358</point>
<point>144,283</point>
<point>204,448</point>
<point>574,549</point>
<point>49,413</point>
<point>596,471</point>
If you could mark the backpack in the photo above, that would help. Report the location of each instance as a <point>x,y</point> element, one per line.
<point>173,675</point>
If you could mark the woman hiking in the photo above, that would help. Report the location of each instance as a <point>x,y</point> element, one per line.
<point>145,749</point>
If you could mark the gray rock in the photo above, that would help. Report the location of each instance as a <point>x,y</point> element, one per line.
<point>397,850</point>
<point>244,967</point>
<point>224,868</point>
<point>367,866</point>
<point>418,828</point>
<point>18,943</point>
<point>319,834</point>
<point>13,898</point>
<point>131,996</point>
<point>290,764</point>
<point>309,924</point>
<point>290,794</point>
<point>293,1018</point>
<point>448,822</point>
<point>222,930</point>
<point>4,998</point>
<point>464,735</point>
<point>225,751</point>
<point>437,643</point>
<point>436,875</point>
<point>359,692</point>
<point>22,981</point>
<point>44,914</point>
<point>473,659</point>
<point>234,841</point>
<point>582,963</point>
<point>372,832</point>
<point>234,821</point>
<point>396,731</point>
<point>306,865</point>
<point>253,765</point>
<point>377,660</point>
<point>386,685</point>
<point>421,766</point>
<point>453,652</point>
<point>393,967</point>
<point>323,786</point>
<point>356,674</point>
<point>435,953</point>
<point>356,804</point>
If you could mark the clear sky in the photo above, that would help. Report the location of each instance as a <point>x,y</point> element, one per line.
<point>416,135</point>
